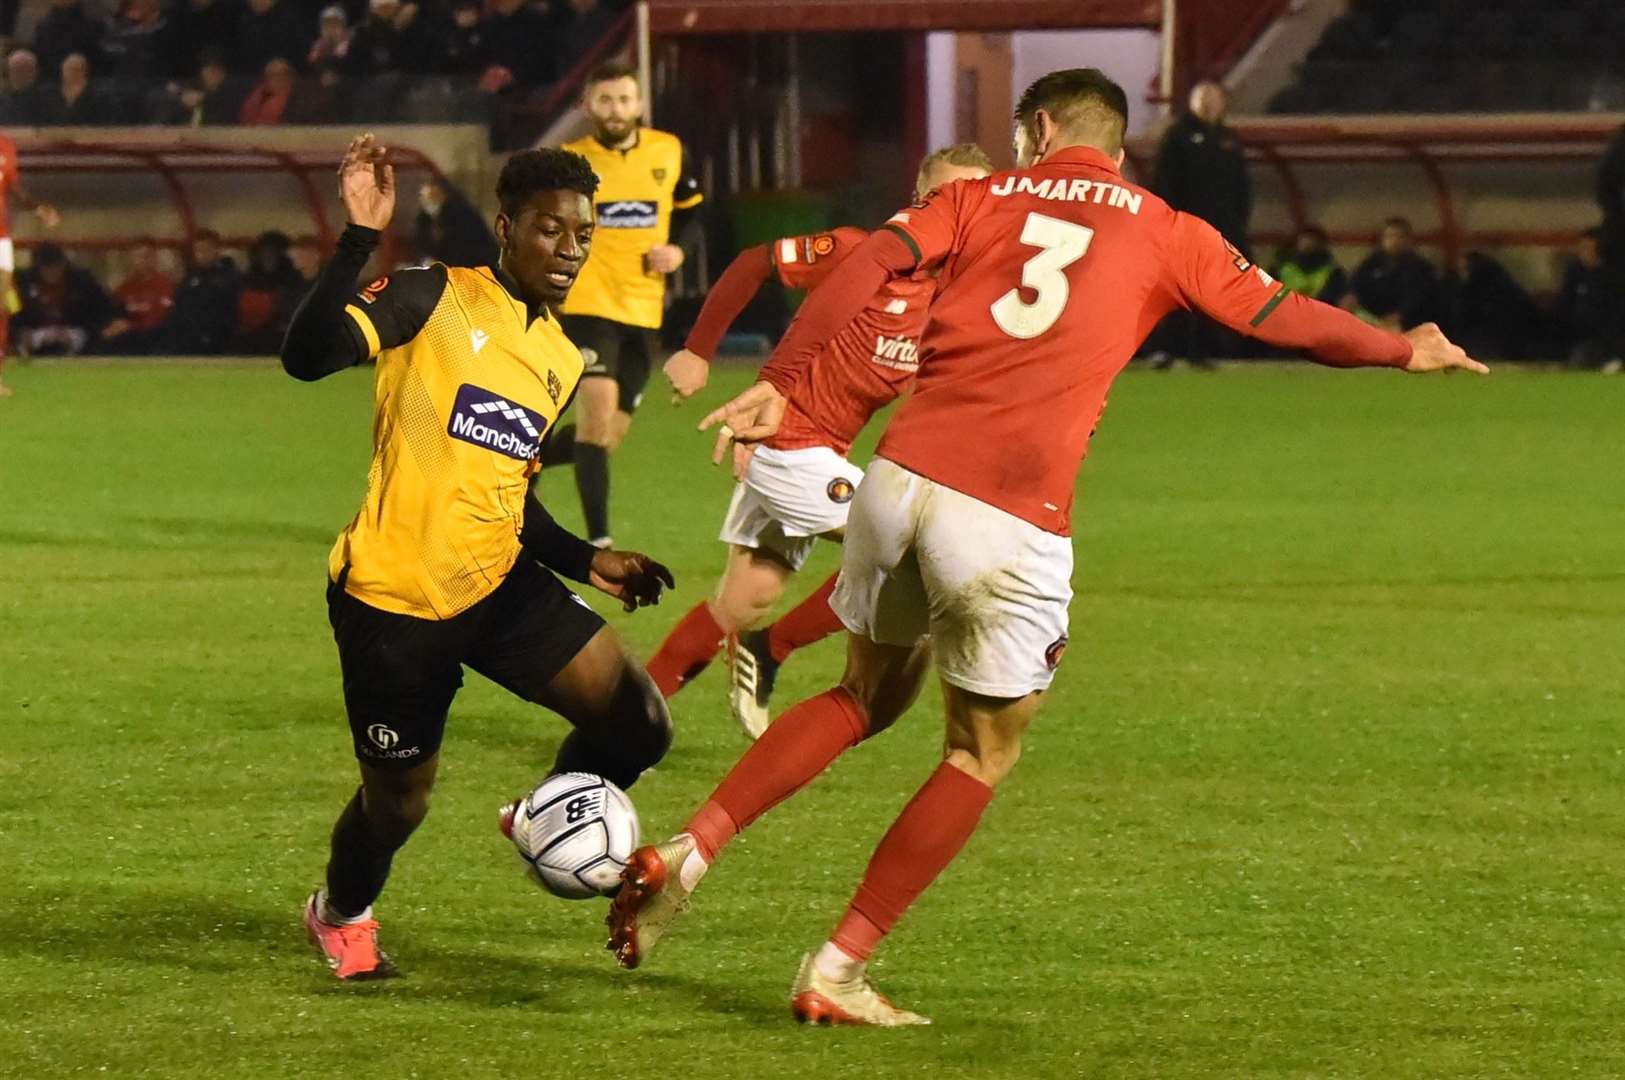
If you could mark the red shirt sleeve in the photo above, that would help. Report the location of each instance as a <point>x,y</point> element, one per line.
<point>733,290</point>
<point>930,226</point>
<point>883,256</point>
<point>1211,274</point>
<point>803,262</point>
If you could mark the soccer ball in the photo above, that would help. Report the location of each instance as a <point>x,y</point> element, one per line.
<point>574,834</point>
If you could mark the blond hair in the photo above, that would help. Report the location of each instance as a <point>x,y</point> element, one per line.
<point>966,155</point>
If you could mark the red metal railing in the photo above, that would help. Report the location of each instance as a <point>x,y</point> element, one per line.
<point>170,162</point>
<point>1428,144</point>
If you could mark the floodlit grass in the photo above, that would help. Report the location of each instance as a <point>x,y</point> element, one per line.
<point>1330,783</point>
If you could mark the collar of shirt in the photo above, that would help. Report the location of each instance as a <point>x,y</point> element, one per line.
<point>1080,155</point>
<point>637,139</point>
<point>532,311</point>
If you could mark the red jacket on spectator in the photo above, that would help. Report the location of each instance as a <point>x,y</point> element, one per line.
<point>146,299</point>
<point>269,100</point>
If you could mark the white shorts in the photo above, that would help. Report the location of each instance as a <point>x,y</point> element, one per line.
<point>991,589</point>
<point>8,258</point>
<point>788,499</point>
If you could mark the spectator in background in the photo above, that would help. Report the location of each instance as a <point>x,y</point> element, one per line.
<point>1589,307</point>
<point>389,41</point>
<point>1395,283</point>
<point>589,21</point>
<point>211,98</point>
<point>322,98</point>
<point>203,27</point>
<point>64,307</point>
<point>74,101</point>
<point>465,47</point>
<point>1310,269</point>
<point>1201,169</point>
<point>522,42</point>
<point>23,102</point>
<point>269,30</point>
<point>144,300</point>
<point>66,29</point>
<point>1611,198</point>
<point>306,257</point>
<point>268,100</point>
<point>205,312</point>
<point>270,277</point>
<point>450,229</point>
<point>139,44</point>
<point>332,42</point>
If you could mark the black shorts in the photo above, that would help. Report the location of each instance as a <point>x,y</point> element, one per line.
<point>616,351</point>
<point>401,672</point>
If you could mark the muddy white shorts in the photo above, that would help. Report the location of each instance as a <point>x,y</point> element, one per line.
<point>8,258</point>
<point>789,498</point>
<point>991,589</point>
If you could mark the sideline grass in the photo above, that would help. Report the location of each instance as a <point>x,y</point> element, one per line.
<point>1329,784</point>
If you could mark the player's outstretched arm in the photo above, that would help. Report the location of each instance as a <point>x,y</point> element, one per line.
<point>367,183</point>
<point>1220,281</point>
<point>629,576</point>
<point>690,367</point>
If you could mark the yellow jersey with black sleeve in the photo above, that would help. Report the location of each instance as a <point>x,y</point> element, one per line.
<point>638,188</point>
<point>469,381</point>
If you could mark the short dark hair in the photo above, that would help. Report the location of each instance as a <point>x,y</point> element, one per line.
<point>1593,233</point>
<point>530,171</point>
<point>49,254</point>
<point>1398,222</point>
<point>1083,100</point>
<point>1315,231</point>
<point>610,70</point>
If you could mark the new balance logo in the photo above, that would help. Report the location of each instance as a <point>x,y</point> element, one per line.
<point>897,307</point>
<point>478,338</point>
<point>484,419</point>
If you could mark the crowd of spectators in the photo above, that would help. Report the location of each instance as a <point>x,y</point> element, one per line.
<point>214,306</point>
<point>197,62</point>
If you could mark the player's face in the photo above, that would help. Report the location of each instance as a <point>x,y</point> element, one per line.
<point>616,106</point>
<point>941,174</point>
<point>546,243</point>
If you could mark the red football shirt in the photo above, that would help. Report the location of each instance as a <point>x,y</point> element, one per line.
<point>866,364</point>
<point>1051,277</point>
<point>8,180</point>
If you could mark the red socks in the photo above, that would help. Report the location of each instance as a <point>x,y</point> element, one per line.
<point>796,748</point>
<point>809,621</point>
<point>920,844</point>
<point>687,649</point>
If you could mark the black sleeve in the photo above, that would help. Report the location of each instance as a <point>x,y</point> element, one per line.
<point>688,193</point>
<point>687,227</point>
<point>323,339</point>
<point>554,546</point>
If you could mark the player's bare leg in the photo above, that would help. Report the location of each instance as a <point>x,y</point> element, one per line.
<point>600,427</point>
<point>983,744</point>
<point>751,584</point>
<point>383,813</point>
<point>620,721</point>
<point>880,683</point>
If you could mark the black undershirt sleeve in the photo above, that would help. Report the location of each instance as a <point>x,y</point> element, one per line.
<point>554,546</point>
<point>322,338</point>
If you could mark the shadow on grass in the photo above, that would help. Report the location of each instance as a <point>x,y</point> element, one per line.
<point>262,939</point>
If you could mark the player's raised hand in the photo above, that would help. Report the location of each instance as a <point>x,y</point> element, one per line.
<point>367,183</point>
<point>630,577</point>
<point>1432,351</point>
<point>687,372</point>
<point>751,417</point>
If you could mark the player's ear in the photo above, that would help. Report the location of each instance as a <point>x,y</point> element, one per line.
<point>1118,158</point>
<point>502,224</point>
<point>1044,129</point>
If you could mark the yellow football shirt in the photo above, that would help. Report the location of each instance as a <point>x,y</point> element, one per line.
<point>469,381</point>
<point>638,188</point>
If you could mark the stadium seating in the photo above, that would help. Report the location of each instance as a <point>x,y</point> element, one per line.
<point>1458,56</point>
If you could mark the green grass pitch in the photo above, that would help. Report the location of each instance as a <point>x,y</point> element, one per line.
<point>1330,784</point>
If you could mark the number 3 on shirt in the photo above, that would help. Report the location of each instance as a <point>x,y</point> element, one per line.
<point>1063,244</point>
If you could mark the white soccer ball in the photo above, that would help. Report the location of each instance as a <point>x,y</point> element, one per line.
<point>574,834</point>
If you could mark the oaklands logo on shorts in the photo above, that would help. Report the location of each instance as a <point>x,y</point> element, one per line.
<point>628,214</point>
<point>484,419</point>
<point>385,737</point>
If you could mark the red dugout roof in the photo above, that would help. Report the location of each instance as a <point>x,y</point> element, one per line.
<point>734,16</point>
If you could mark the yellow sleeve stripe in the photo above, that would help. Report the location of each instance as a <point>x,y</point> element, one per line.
<point>368,331</point>
<point>693,200</point>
